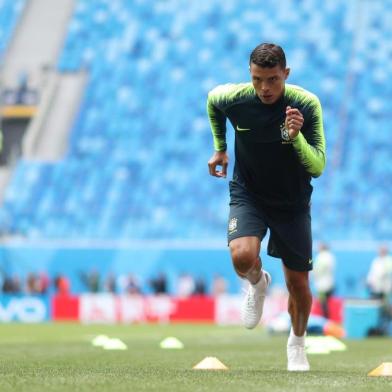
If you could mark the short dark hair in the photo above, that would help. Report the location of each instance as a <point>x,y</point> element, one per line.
<point>268,56</point>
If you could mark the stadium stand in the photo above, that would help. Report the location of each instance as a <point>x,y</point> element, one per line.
<point>9,15</point>
<point>136,167</point>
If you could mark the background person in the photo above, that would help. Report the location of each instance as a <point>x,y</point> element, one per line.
<point>324,276</point>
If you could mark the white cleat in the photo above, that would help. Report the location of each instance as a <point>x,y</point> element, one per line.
<point>296,359</point>
<point>252,307</point>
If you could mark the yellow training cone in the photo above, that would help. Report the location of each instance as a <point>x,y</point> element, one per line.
<point>317,350</point>
<point>315,345</point>
<point>171,343</point>
<point>99,341</point>
<point>334,344</point>
<point>114,344</point>
<point>210,363</point>
<point>385,369</point>
<point>323,344</point>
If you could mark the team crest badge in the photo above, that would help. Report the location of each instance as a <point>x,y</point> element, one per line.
<point>285,134</point>
<point>233,225</point>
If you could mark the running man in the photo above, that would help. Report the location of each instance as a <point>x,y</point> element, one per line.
<point>279,147</point>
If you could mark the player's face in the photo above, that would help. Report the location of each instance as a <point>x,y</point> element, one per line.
<point>268,82</point>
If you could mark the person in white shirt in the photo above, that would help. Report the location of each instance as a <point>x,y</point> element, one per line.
<point>379,278</point>
<point>324,276</point>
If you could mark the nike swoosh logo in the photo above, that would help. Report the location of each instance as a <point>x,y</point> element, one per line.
<point>242,129</point>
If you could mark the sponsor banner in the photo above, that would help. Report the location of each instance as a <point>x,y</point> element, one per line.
<point>24,309</point>
<point>128,309</point>
<point>194,309</point>
<point>65,308</point>
<point>132,309</point>
<point>228,309</point>
<point>98,308</point>
<point>137,309</point>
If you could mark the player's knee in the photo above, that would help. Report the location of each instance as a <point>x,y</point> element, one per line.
<point>243,257</point>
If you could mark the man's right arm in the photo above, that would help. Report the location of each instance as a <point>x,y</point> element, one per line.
<point>217,120</point>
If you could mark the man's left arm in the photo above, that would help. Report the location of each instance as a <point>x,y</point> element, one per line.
<point>310,144</point>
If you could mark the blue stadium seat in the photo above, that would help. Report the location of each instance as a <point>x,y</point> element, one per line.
<point>137,160</point>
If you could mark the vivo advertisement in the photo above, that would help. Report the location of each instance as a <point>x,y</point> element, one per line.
<point>24,309</point>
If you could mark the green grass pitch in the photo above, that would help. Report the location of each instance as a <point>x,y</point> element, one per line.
<point>60,357</point>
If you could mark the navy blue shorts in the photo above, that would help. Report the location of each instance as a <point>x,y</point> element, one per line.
<point>290,237</point>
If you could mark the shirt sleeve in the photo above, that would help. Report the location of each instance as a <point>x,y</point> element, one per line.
<point>217,120</point>
<point>310,144</point>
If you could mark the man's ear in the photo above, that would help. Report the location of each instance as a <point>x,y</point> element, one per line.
<point>286,73</point>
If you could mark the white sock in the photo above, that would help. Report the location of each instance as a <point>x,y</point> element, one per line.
<point>296,340</point>
<point>260,282</point>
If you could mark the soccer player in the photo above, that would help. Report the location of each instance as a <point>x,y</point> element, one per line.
<point>279,147</point>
